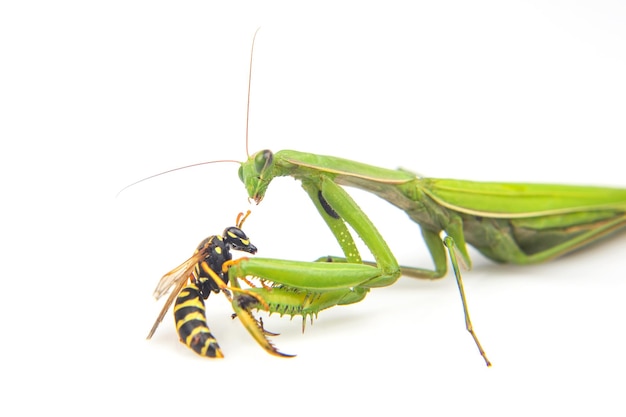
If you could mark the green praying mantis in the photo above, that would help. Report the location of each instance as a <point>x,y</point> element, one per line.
<point>507,222</point>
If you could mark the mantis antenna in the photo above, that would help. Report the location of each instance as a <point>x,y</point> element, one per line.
<point>210,162</point>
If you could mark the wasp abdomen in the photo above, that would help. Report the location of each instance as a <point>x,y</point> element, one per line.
<point>190,317</point>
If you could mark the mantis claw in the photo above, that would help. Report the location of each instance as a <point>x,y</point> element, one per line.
<point>260,323</point>
<point>241,304</point>
<point>265,331</point>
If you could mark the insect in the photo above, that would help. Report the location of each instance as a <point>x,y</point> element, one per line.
<point>507,222</point>
<point>195,279</point>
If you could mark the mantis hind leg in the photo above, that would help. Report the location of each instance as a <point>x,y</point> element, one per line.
<point>450,245</point>
<point>437,250</point>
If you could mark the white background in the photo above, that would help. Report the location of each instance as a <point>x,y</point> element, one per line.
<point>95,96</point>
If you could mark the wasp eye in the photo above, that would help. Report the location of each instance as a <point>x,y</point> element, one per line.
<point>263,160</point>
<point>235,233</point>
<point>241,173</point>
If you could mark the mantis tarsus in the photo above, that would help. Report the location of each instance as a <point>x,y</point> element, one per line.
<point>507,222</point>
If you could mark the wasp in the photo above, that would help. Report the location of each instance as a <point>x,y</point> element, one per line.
<point>192,282</point>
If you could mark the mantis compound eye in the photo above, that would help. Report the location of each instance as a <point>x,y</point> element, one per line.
<point>263,160</point>
<point>240,173</point>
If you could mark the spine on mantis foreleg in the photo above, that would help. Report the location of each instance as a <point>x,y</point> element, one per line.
<point>290,301</point>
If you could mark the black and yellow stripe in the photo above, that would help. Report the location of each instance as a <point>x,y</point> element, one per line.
<point>191,325</point>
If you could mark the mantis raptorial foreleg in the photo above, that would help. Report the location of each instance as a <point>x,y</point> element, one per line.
<point>349,280</point>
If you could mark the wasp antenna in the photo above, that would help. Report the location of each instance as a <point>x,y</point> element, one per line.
<point>172,170</point>
<point>249,84</point>
<point>242,218</point>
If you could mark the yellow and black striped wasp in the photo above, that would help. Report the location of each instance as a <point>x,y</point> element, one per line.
<point>194,280</point>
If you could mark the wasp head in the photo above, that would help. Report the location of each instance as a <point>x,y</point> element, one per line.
<point>237,240</point>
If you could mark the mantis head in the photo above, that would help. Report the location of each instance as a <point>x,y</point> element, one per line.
<point>256,174</point>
